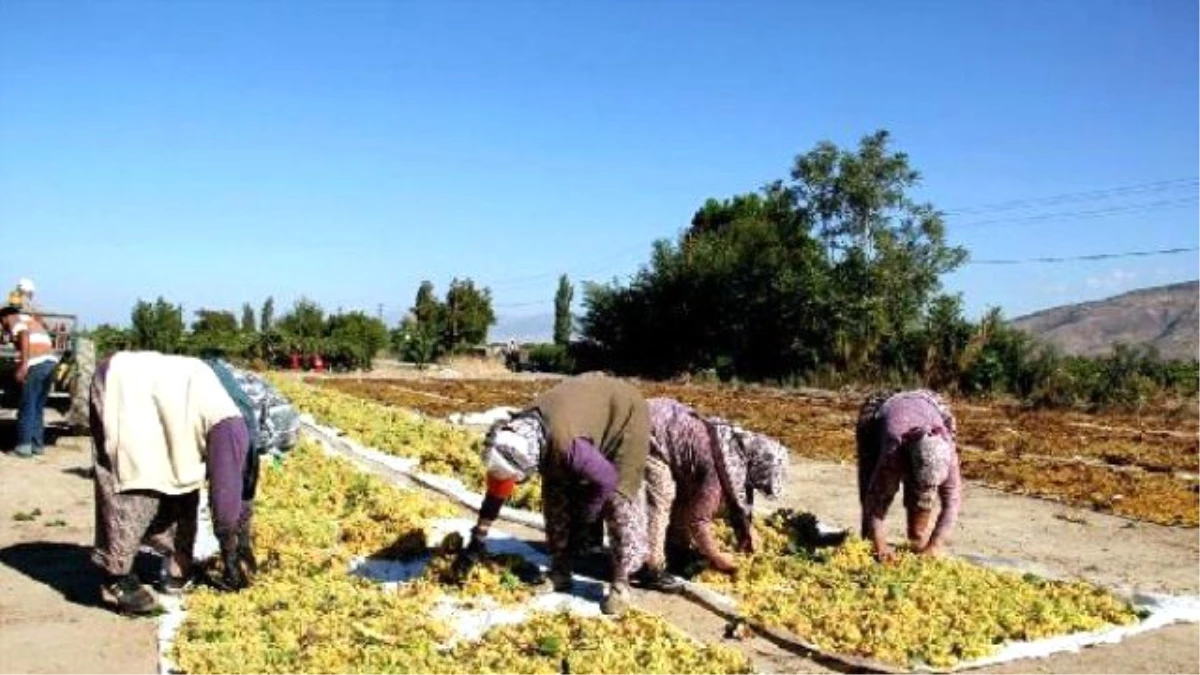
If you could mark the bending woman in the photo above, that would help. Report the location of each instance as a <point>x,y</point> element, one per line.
<point>908,437</point>
<point>162,426</point>
<point>588,437</point>
<point>695,465</point>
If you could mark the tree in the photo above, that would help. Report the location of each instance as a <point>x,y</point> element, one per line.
<point>467,315</point>
<point>829,273</point>
<point>249,326</point>
<point>266,317</point>
<point>355,338</point>
<point>412,341</point>
<point>108,339</point>
<point>426,309</point>
<point>215,332</point>
<point>214,321</point>
<point>157,326</point>
<point>888,252</point>
<point>562,311</point>
<point>303,329</point>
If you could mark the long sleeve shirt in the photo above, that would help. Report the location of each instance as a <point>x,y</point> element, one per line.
<point>899,416</point>
<point>682,439</point>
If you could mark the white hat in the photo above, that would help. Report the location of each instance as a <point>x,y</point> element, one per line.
<point>25,286</point>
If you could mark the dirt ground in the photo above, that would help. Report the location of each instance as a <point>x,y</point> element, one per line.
<point>49,595</point>
<point>52,621</point>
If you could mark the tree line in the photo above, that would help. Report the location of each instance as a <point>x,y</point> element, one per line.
<point>833,276</point>
<point>343,340</point>
<point>432,328</point>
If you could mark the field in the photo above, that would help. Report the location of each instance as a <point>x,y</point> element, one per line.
<point>313,516</point>
<point>1143,466</point>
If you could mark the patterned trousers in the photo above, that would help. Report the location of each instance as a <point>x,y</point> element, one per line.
<point>625,518</point>
<point>661,492</point>
<point>126,520</point>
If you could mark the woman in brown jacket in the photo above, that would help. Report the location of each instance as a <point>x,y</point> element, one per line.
<point>588,437</point>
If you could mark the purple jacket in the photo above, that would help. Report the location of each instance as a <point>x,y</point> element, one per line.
<point>901,414</point>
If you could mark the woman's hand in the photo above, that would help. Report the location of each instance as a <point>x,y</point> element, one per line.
<point>884,553</point>
<point>723,563</point>
<point>750,542</point>
<point>933,549</point>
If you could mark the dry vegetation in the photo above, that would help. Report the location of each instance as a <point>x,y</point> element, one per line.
<point>1142,466</point>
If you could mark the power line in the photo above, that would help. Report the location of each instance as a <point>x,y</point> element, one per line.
<point>1077,258</point>
<point>1088,195</point>
<point>514,305</point>
<point>1081,215</point>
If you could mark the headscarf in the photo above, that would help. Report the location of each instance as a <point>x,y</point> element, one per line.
<point>513,449</point>
<point>752,460</point>
<point>767,463</point>
<point>931,455</point>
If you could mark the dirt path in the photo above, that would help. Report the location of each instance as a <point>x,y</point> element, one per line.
<point>50,619</point>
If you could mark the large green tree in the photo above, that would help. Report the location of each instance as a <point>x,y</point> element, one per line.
<point>215,332</point>
<point>303,328</point>
<point>831,271</point>
<point>266,317</point>
<point>355,338</point>
<point>249,325</point>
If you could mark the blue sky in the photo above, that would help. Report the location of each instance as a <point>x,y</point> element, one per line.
<point>218,152</point>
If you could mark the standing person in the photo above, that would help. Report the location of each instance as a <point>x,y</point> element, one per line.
<point>695,465</point>
<point>588,437</point>
<point>22,296</point>
<point>908,437</point>
<point>35,370</point>
<point>163,426</point>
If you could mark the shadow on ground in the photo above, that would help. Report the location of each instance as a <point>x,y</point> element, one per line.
<point>8,434</point>
<point>68,568</point>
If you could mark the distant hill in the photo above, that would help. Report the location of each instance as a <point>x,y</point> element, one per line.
<point>535,328</point>
<point>1164,317</point>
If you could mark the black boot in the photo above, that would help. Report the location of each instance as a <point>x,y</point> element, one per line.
<point>658,580</point>
<point>129,596</point>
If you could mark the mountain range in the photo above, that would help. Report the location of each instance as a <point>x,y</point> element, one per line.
<point>1162,317</point>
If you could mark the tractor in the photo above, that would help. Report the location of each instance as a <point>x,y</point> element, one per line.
<point>72,378</point>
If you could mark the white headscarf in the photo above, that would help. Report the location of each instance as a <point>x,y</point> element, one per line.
<point>513,450</point>
<point>931,457</point>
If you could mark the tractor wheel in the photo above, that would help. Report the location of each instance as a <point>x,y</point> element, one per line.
<point>81,384</point>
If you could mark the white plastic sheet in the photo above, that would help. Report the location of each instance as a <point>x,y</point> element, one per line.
<point>445,485</point>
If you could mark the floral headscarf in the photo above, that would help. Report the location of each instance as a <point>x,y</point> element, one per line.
<point>513,449</point>
<point>931,456</point>
<point>752,460</point>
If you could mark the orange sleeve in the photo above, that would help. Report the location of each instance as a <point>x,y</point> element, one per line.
<point>500,488</point>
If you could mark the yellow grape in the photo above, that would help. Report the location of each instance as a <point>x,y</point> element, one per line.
<point>440,447</point>
<point>935,611</point>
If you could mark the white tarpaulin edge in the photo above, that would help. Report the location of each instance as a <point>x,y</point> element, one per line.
<point>445,485</point>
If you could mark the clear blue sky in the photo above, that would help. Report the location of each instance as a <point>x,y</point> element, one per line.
<point>219,152</point>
